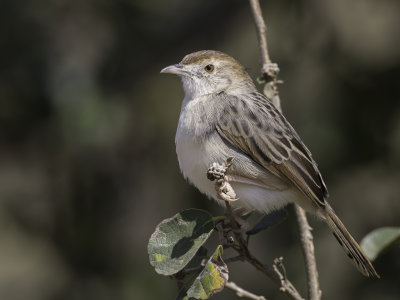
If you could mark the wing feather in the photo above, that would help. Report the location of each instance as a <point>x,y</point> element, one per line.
<point>258,129</point>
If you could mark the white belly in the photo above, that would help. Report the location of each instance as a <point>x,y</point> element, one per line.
<point>196,157</point>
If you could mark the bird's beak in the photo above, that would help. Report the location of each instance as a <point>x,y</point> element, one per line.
<point>174,69</point>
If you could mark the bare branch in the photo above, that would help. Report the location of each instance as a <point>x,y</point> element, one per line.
<point>271,91</point>
<point>240,292</point>
<point>261,34</point>
<point>306,238</point>
<point>279,268</point>
<point>269,70</point>
<point>233,259</point>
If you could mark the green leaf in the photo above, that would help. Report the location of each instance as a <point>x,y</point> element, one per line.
<point>201,255</point>
<point>177,239</point>
<point>183,291</point>
<point>212,279</point>
<point>379,240</point>
<point>269,220</point>
<point>184,281</point>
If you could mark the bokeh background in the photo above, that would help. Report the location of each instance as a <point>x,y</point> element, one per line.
<point>87,125</point>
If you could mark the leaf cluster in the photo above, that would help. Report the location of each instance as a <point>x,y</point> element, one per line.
<point>176,248</point>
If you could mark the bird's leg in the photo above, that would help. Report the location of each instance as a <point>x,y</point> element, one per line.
<point>224,189</point>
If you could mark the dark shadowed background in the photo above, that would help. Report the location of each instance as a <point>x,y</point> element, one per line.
<point>87,124</point>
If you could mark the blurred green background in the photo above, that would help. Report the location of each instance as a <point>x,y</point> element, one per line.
<point>87,124</point>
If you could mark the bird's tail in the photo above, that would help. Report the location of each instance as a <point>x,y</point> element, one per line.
<point>350,246</point>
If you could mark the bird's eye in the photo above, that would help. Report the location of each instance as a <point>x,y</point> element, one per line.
<point>209,68</point>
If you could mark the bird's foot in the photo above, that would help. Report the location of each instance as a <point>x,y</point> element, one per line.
<point>217,172</point>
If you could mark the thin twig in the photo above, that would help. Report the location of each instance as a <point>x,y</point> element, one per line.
<point>279,269</point>
<point>271,92</point>
<point>306,238</point>
<point>269,70</point>
<point>234,259</point>
<point>192,270</point>
<point>240,292</point>
<point>261,32</point>
<point>285,286</point>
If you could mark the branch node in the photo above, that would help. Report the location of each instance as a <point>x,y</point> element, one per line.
<point>270,71</point>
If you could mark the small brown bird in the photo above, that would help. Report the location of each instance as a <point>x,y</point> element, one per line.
<point>223,115</point>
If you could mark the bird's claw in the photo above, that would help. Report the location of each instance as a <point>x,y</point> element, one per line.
<point>225,191</point>
<point>218,171</point>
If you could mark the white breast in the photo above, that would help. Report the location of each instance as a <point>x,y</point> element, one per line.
<point>194,162</point>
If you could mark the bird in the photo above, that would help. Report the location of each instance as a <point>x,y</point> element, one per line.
<point>223,115</point>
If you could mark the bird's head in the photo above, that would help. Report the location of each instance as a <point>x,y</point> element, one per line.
<point>206,72</point>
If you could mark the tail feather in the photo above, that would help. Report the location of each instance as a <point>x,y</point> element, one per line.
<point>350,246</point>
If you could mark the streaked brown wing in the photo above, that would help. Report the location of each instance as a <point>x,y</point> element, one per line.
<point>258,129</point>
